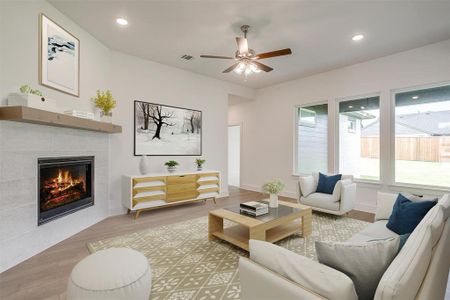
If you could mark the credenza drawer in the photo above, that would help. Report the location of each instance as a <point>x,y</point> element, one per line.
<point>179,179</point>
<point>182,196</point>
<point>178,188</point>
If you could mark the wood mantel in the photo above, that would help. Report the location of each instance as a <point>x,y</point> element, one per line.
<point>37,116</point>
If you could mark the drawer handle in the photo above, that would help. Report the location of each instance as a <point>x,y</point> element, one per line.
<point>182,175</point>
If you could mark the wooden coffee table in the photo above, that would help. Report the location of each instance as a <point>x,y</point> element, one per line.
<point>289,218</point>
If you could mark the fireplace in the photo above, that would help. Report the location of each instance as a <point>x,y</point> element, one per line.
<point>65,185</point>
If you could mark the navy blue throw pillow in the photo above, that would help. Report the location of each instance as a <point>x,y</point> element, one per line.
<point>326,183</point>
<point>406,214</point>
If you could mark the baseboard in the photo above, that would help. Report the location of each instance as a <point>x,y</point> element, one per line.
<point>255,188</point>
<point>117,211</point>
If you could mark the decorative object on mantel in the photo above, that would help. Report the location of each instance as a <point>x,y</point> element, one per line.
<point>80,114</point>
<point>25,114</point>
<point>199,162</point>
<point>163,130</point>
<point>273,188</point>
<point>144,166</point>
<point>31,98</point>
<point>105,102</point>
<point>171,165</point>
<point>26,89</point>
<point>59,58</point>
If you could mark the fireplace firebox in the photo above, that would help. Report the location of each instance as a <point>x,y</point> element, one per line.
<point>65,185</point>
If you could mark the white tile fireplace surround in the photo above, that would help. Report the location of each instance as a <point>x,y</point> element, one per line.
<point>20,147</point>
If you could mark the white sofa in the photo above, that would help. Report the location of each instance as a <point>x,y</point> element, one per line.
<point>419,271</point>
<point>340,202</point>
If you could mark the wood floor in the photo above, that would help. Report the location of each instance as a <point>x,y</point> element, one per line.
<point>45,275</point>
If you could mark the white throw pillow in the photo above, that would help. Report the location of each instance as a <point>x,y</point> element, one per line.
<point>307,185</point>
<point>319,278</point>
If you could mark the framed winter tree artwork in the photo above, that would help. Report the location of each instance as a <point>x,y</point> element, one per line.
<point>59,58</point>
<point>163,130</point>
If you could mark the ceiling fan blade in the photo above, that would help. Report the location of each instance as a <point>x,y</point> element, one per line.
<point>216,56</point>
<point>234,66</point>
<point>242,45</point>
<point>281,52</point>
<point>262,66</point>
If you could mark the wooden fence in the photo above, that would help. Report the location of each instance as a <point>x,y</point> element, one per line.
<point>433,148</point>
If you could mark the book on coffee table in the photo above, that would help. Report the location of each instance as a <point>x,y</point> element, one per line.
<point>254,208</point>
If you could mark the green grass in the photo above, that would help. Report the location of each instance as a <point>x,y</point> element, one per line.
<point>413,172</point>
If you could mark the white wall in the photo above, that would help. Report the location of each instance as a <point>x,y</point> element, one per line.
<point>132,79</point>
<point>22,144</point>
<point>19,61</point>
<point>268,122</point>
<point>234,155</point>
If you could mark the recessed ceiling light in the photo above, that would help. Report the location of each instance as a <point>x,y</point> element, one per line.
<point>350,106</point>
<point>121,21</point>
<point>415,97</point>
<point>357,37</point>
<point>362,107</point>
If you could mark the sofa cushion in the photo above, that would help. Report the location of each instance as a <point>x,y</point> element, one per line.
<point>364,262</point>
<point>326,183</point>
<point>373,231</point>
<point>319,278</point>
<point>307,185</point>
<point>404,276</point>
<point>406,214</point>
<point>445,203</point>
<point>321,200</point>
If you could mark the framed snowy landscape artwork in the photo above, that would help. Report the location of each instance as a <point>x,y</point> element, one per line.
<point>162,130</point>
<point>59,53</point>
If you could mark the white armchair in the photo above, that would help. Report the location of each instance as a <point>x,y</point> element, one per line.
<point>340,202</point>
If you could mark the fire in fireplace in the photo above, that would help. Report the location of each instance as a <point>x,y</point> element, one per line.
<point>65,186</point>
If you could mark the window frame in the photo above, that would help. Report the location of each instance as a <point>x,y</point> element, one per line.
<point>337,135</point>
<point>296,172</point>
<point>392,182</point>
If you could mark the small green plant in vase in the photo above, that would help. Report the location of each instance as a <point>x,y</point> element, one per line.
<point>171,165</point>
<point>273,188</point>
<point>105,102</point>
<point>199,162</point>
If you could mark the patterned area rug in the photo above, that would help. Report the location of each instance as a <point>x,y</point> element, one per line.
<point>186,266</point>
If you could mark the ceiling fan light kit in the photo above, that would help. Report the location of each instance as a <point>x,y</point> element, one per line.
<point>247,59</point>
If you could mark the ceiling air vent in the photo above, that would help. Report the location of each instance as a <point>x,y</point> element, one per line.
<point>187,57</point>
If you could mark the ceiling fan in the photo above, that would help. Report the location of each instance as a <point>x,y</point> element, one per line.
<point>246,58</point>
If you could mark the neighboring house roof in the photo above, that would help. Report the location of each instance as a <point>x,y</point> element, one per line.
<point>429,123</point>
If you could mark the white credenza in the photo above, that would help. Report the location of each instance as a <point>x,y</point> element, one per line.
<point>151,191</point>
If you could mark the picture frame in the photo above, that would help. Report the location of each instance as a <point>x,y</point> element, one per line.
<point>59,57</point>
<point>180,130</point>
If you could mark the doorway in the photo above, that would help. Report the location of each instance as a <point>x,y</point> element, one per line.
<point>234,155</point>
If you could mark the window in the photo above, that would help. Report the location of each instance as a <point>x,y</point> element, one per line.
<point>422,137</point>
<point>307,117</point>
<point>359,138</point>
<point>351,125</point>
<point>312,139</point>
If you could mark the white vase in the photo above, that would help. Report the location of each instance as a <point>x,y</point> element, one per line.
<point>273,201</point>
<point>107,118</point>
<point>144,166</point>
<point>171,169</point>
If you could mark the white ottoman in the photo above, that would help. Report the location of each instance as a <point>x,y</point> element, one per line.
<point>115,273</point>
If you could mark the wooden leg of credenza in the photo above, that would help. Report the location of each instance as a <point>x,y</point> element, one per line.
<point>137,214</point>
<point>214,199</point>
<point>128,211</point>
